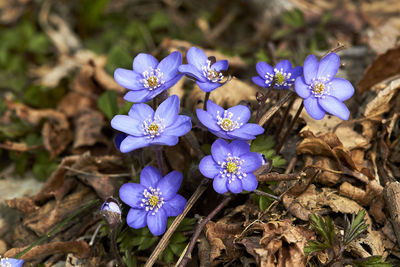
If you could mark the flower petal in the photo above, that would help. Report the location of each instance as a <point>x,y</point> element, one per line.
<point>213,108</point>
<point>150,176</point>
<point>249,129</point>
<point>157,223</point>
<point>131,143</point>
<point>219,184</point>
<point>220,150</point>
<point>329,66</point>
<point>208,167</point>
<point>175,206</point>
<point>335,107</point>
<point>170,184</point>
<point>118,140</point>
<point>127,125</point>
<point>241,113</point>
<point>208,86</point>
<point>169,65</point>
<point>182,126</point>
<point>141,112</point>
<point>196,57</point>
<point>235,186</point>
<point>252,161</point>
<point>168,110</point>
<point>264,69</point>
<point>143,62</point>
<point>260,82</point>
<point>128,79</point>
<point>310,68</point>
<point>221,134</point>
<point>167,85</point>
<point>164,139</point>
<point>132,194</point>
<point>296,72</point>
<point>221,65</point>
<point>207,120</point>
<point>284,65</point>
<point>341,89</point>
<point>139,96</point>
<point>239,147</point>
<point>313,108</point>
<point>192,71</point>
<point>301,87</point>
<point>11,262</point>
<point>137,218</point>
<point>249,182</point>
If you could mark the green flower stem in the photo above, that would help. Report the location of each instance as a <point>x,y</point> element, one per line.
<point>267,115</point>
<point>56,228</point>
<point>205,100</point>
<point>285,115</point>
<point>115,248</point>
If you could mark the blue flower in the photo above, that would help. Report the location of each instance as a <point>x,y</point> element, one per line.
<point>283,74</point>
<point>208,76</point>
<point>9,262</point>
<point>153,200</point>
<point>148,77</point>
<point>322,92</point>
<point>111,211</point>
<point>144,127</point>
<point>231,166</point>
<point>230,123</point>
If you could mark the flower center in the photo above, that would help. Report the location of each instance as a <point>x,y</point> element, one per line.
<point>226,123</point>
<point>152,128</point>
<point>211,74</point>
<point>152,200</point>
<point>4,262</point>
<point>152,79</point>
<point>231,168</point>
<point>320,87</point>
<point>280,77</point>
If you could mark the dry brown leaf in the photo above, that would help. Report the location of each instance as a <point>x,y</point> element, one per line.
<point>221,237</point>
<point>72,103</point>
<point>384,66</point>
<point>377,12</point>
<point>384,36</point>
<point>11,11</point>
<point>19,147</point>
<point>226,96</point>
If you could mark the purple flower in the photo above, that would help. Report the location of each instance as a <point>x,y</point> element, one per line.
<point>145,127</point>
<point>111,211</point>
<point>153,200</point>
<point>283,74</point>
<point>230,123</point>
<point>231,166</point>
<point>322,92</point>
<point>148,77</point>
<point>9,262</point>
<point>208,76</point>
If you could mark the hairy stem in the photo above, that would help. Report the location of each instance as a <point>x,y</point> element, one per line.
<point>165,239</point>
<point>160,160</point>
<point>279,147</point>
<point>115,248</point>
<point>261,193</point>
<point>267,115</point>
<point>285,115</point>
<point>199,228</point>
<point>205,100</point>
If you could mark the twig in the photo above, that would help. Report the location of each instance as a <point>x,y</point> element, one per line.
<point>274,108</point>
<point>339,47</point>
<point>282,123</point>
<point>159,156</point>
<point>116,175</point>
<point>165,239</point>
<point>279,147</point>
<point>276,177</point>
<point>198,230</point>
<point>261,193</point>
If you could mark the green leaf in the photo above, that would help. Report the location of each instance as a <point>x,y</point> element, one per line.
<point>148,243</point>
<point>167,255</point>
<point>373,261</point>
<point>177,249</point>
<point>20,160</point>
<point>324,228</point>
<point>277,161</point>
<point>178,237</point>
<point>118,57</point>
<point>108,104</point>
<point>294,18</point>
<point>43,166</point>
<point>314,246</point>
<point>262,143</point>
<point>159,20</point>
<point>355,227</point>
<point>124,109</point>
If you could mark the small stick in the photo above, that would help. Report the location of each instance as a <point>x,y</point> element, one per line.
<point>115,248</point>
<point>274,108</point>
<point>198,230</point>
<point>277,177</point>
<point>160,160</point>
<point>165,239</point>
<point>279,147</point>
<point>261,193</point>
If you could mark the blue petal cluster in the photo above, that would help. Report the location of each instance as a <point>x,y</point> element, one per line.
<point>208,76</point>
<point>144,127</point>
<point>231,166</point>
<point>230,123</point>
<point>153,200</point>
<point>322,92</point>
<point>283,74</point>
<point>111,211</point>
<point>148,77</point>
<point>9,262</point>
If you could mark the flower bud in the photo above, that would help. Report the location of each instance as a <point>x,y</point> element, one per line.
<point>111,211</point>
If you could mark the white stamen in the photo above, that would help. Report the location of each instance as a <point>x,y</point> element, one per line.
<point>152,79</point>
<point>212,74</point>
<point>226,123</point>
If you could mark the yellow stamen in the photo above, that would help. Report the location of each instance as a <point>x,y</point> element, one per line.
<point>318,88</point>
<point>153,81</point>
<point>153,128</point>
<point>279,78</point>
<point>153,200</point>
<point>226,124</point>
<point>231,167</point>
